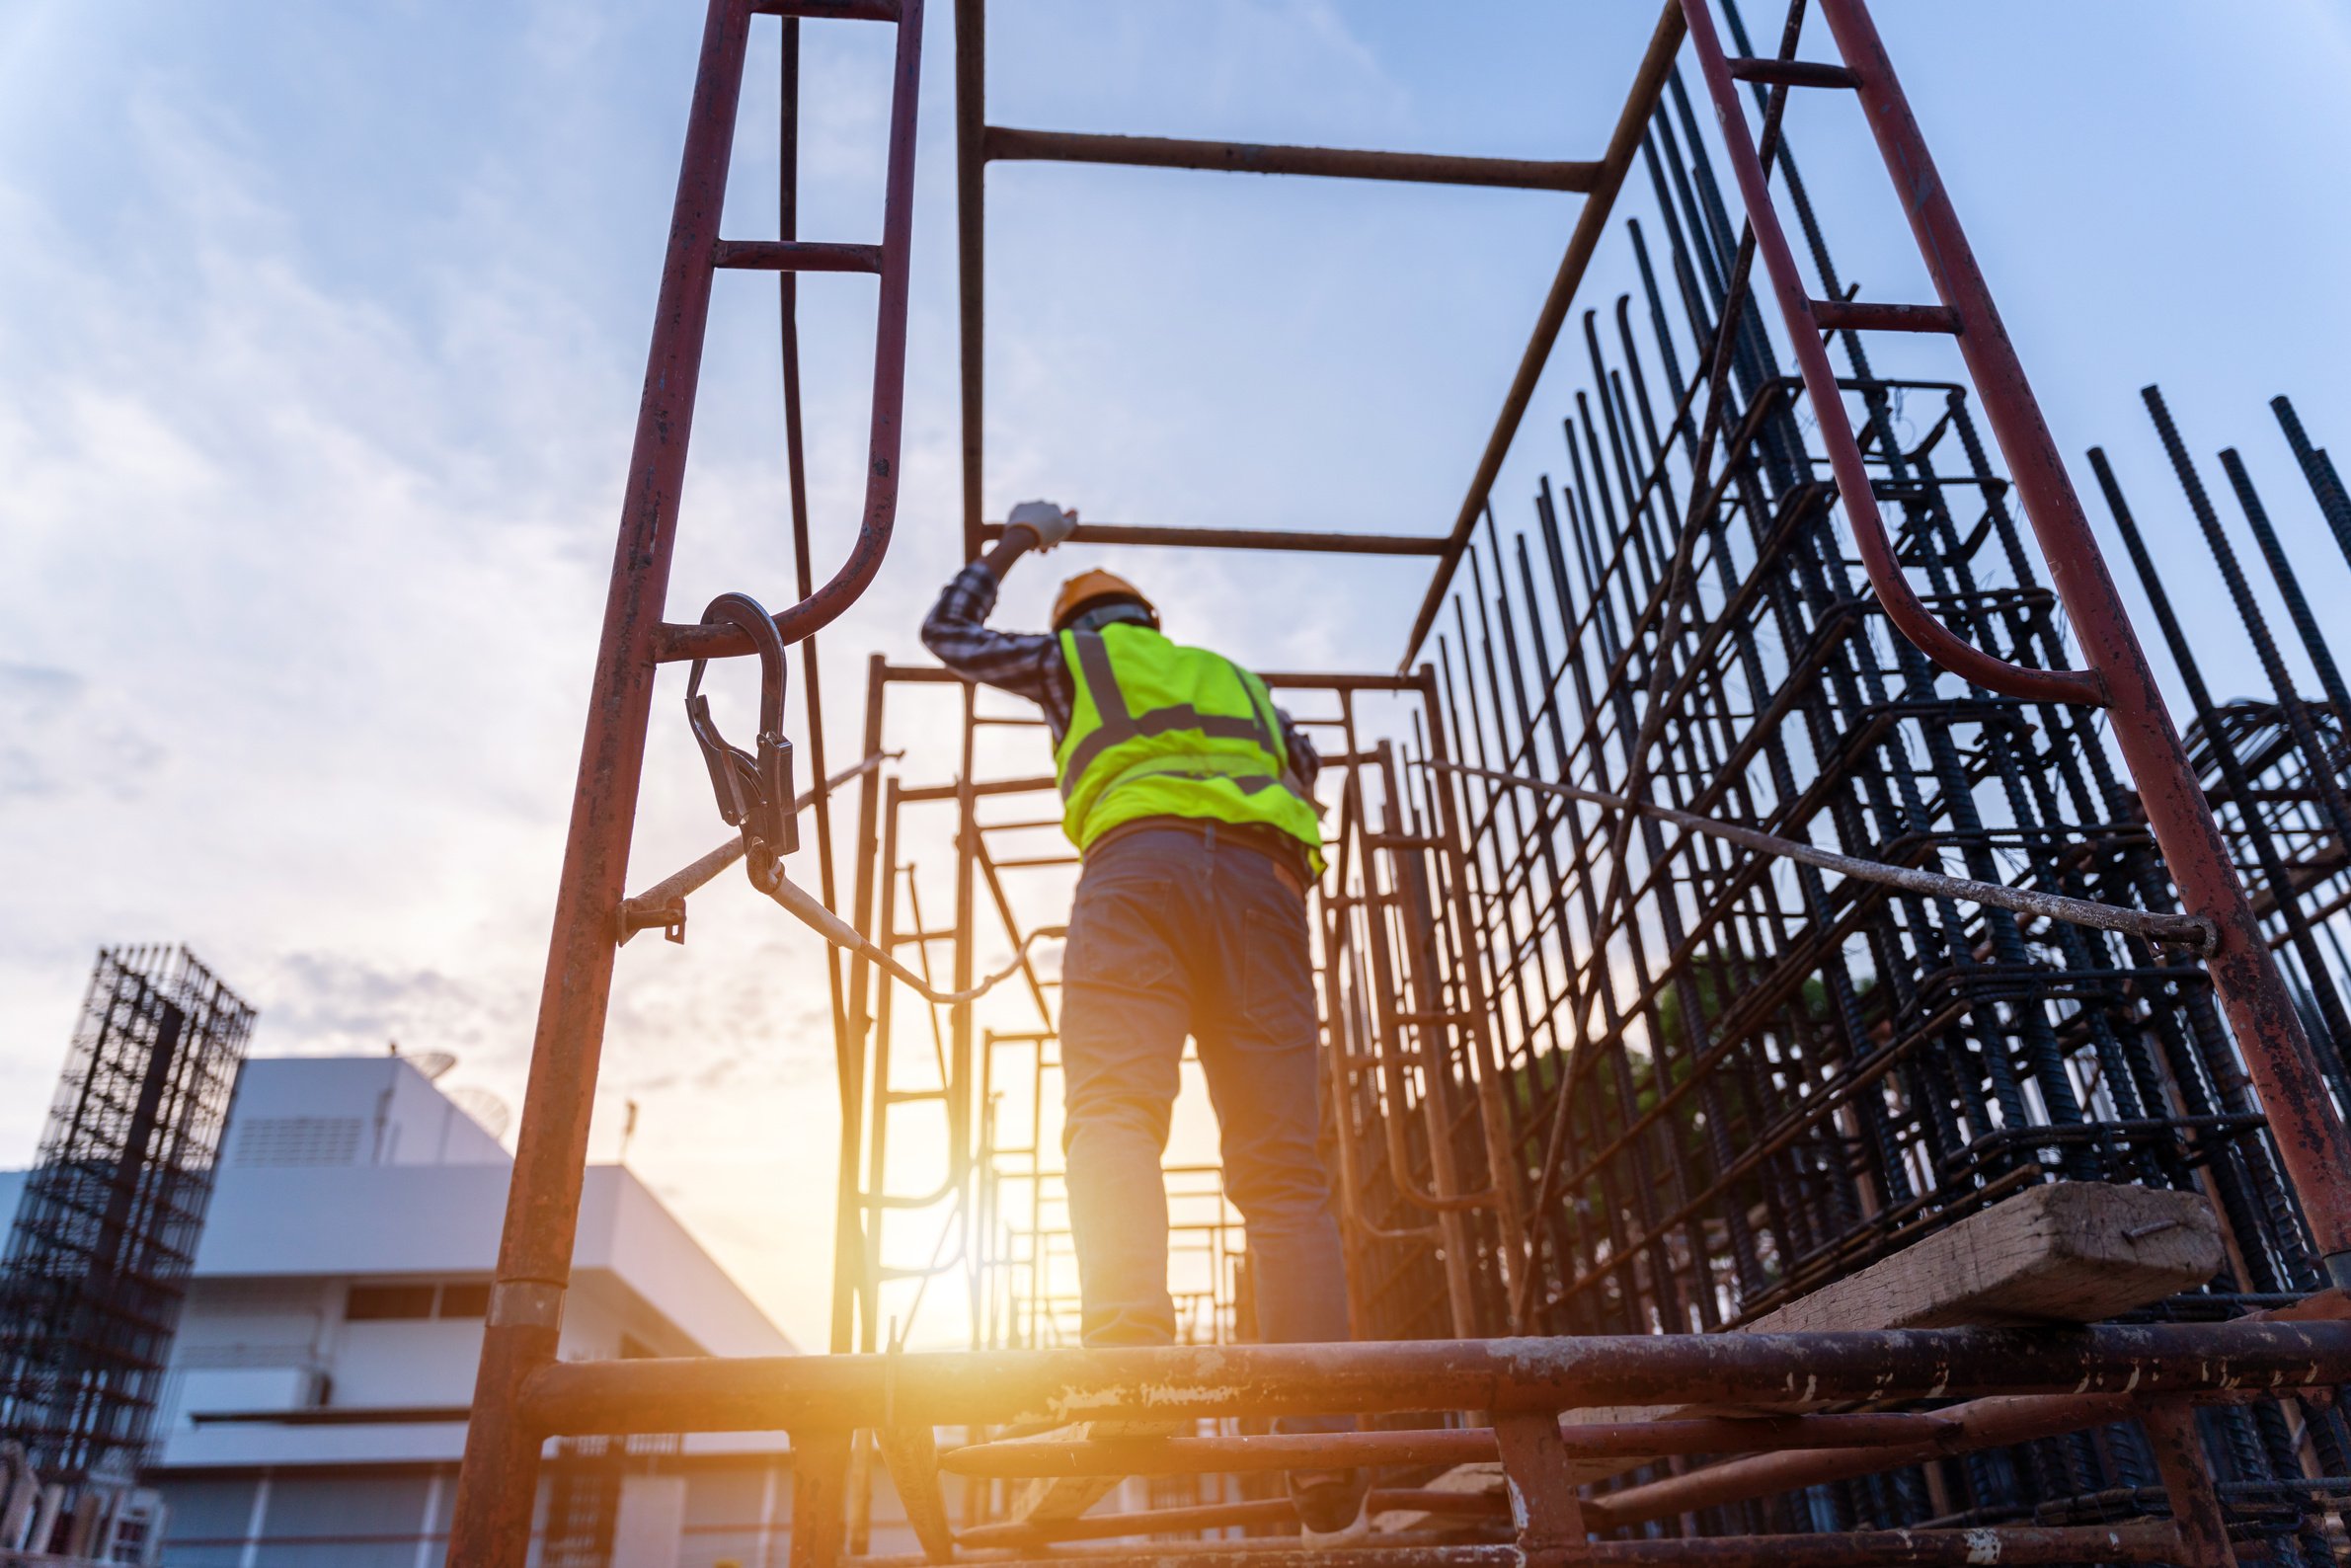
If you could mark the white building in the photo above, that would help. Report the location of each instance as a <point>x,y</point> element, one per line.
<point>315,1409</point>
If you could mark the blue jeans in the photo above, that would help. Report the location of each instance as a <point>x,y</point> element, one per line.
<point>1176,932</point>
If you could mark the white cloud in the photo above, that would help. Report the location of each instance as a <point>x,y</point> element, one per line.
<point>303,593</point>
<point>312,567</point>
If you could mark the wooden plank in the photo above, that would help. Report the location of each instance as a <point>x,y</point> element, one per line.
<point>912,1456</point>
<point>2065,1252</point>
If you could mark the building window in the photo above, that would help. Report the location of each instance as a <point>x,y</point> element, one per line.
<point>375,1304</point>
<point>465,1299</point>
<point>300,1140</point>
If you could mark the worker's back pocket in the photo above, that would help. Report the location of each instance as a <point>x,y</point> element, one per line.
<point>1119,935</point>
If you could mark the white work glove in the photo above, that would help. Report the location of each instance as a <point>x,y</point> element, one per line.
<point>1048,522</point>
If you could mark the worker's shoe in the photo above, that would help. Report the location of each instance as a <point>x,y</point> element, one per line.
<point>1329,1501</point>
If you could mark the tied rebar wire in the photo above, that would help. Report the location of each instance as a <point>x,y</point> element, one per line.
<point>1670,628</point>
<point>1731,1080</point>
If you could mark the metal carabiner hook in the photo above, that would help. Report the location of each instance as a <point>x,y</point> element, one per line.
<point>755,793</point>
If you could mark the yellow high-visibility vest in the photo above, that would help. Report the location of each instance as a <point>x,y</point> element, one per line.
<point>1161,730</point>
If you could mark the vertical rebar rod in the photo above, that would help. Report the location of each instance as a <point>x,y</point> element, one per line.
<point>2325,484</point>
<point>2282,573</point>
<point>2249,610</point>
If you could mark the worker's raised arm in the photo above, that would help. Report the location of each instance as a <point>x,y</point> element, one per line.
<point>957,631</point>
<point>1000,556</point>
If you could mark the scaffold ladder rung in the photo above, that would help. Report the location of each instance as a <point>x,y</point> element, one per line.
<point>497,1483</point>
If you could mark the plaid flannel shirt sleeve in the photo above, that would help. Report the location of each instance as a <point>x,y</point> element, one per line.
<point>957,635</point>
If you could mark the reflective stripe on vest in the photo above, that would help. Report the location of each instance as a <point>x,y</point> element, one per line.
<point>1117,724</point>
<point>1218,755</point>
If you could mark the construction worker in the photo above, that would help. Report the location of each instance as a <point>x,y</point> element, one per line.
<point>1187,792</point>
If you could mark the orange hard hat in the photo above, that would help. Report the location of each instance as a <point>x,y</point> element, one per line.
<point>1089,589</point>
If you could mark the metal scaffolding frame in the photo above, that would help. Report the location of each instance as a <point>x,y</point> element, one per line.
<point>106,1231</point>
<point>1595,1081</point>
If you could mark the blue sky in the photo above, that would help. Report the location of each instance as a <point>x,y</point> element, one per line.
<point>323,327</point>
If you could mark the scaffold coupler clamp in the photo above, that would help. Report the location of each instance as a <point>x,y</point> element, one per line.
<point>755,793</point>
